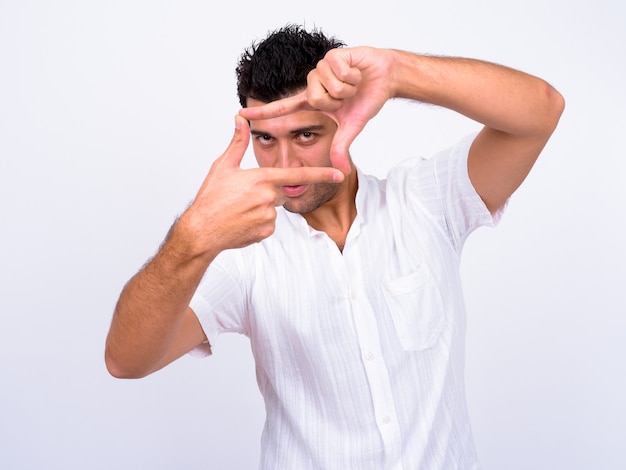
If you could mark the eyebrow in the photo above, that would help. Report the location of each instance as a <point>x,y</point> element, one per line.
<point>299,130</point>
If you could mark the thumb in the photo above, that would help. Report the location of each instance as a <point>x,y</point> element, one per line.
<point>340,148</point>
<point>238,144</point>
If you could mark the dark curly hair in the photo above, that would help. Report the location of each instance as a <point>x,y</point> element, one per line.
<point>278,66</point>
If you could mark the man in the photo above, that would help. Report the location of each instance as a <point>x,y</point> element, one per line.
<point>349,292</point>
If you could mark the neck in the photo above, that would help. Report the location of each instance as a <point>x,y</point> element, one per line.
<point>336,216</point>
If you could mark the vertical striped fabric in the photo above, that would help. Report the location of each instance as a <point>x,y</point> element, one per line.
<point>359,355</point>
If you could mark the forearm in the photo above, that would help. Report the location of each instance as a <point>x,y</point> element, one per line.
<point>151,307</point>
<point>498,97</point>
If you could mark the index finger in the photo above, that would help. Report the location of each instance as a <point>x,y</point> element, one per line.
<point>302,175</point>
<point>289,105</point>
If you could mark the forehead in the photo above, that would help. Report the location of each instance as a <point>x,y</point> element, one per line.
<point>291,122</point>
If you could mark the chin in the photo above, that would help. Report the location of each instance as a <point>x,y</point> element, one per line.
<point>300,208</point>
<point>319,195</point>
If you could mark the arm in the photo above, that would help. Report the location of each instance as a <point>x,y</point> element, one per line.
<point>152,324</point>
<point>519,111</point>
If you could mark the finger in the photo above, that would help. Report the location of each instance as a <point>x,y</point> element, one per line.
<point>302,175</point>
<point>320,95</point>
<point>350,76</point>
<point>340,158</point>
<point>340,147</point>
<point>338,78</point>
<point>280,199</point>
<point>277,108</point>
<point>238,144</point>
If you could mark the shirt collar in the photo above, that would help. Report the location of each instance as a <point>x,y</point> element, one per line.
<point>299,222</point>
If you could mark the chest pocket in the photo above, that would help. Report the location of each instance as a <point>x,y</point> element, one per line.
<point>417,309</point>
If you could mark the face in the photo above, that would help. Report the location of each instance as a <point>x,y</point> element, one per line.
<point>300,139</point>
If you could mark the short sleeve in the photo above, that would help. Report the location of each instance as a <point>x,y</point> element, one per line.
<point>440,187</point>
<point>464,210</point>
<point>219,301</point>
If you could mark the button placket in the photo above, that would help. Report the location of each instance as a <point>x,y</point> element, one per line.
<point>375,368</point>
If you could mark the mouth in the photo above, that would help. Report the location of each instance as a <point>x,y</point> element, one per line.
<point>294,191</point>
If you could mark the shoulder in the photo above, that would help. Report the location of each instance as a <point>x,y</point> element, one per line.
<point>439,188</point>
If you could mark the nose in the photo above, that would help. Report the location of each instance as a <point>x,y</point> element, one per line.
<point>286,157</point>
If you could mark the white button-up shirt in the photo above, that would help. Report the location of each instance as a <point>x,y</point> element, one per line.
<point>360,355</point>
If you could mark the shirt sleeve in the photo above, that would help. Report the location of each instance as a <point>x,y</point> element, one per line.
<point>465,211</point>
<point>441,187</point>
<point>219,302</point>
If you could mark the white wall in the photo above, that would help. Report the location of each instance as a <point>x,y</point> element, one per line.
<point>110,115</point>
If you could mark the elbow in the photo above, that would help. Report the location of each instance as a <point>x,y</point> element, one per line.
<point>545,115</point>
<point>556,106</point>
<point>120,369</point>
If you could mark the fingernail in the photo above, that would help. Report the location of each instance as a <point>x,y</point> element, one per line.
<point>237,123</point>
<point>338,176</point>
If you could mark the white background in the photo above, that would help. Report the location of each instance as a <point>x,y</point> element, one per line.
<point>112,112</point>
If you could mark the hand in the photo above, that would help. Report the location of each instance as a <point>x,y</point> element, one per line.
<point>350,85</point>
<point>236,207</point>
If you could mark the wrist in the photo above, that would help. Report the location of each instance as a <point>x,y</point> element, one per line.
<point>396,66</point>
<point>186,242</point>
<point>417,77</point>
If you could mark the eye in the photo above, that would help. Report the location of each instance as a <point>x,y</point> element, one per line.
<point>264,139</point>
<point>306,136</point>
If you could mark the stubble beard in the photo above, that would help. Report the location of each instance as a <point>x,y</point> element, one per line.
<point>317,195</point>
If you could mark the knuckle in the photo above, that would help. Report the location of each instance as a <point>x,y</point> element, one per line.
<point>268,227</point>
<point>266,231</point>
<point>267,196</point>
<point>335,88</point>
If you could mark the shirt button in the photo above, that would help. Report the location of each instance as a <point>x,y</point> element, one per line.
<point>370,356</point>
<point>386,420</point>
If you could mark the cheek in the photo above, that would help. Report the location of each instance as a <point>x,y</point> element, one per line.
<point>263,157</point>
<point>316,155</point>
<point>262,163</point>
